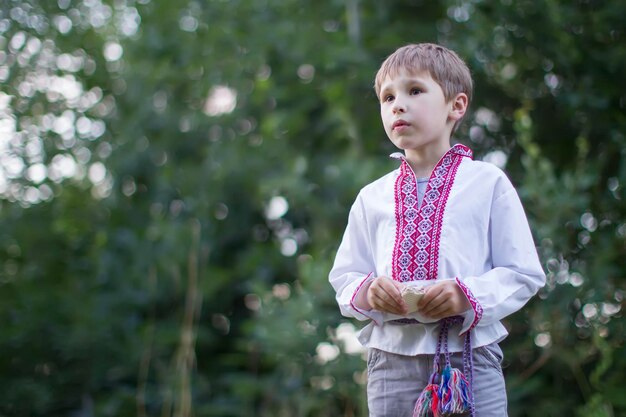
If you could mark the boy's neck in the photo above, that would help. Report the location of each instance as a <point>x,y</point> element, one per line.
<point>423,160</point>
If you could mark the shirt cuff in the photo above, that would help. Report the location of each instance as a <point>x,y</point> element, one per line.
<point>473,316</point>
<point>373,315</point>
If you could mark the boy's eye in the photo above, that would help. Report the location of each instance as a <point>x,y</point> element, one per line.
<point>415,91</point>
<point>388,98</point>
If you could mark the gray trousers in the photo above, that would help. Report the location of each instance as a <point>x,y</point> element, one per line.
<point>395,381</point>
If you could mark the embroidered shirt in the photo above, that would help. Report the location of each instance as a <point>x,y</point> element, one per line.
<point>470,227</point>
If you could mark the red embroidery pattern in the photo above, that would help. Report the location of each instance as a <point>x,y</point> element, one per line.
<point>418,228</point>
<point>478,309</point>
<point>357,291</point>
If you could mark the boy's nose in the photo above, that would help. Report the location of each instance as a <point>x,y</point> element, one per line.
<point>398,107</point>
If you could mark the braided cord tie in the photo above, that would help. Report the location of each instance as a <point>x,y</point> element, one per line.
<point>468,370</point>
<point>452,393</point>
<point>442,341</point>
<point>465,396</point>
<point>428,403</point>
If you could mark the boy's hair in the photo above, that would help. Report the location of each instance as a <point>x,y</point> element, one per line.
<point>443,65</point>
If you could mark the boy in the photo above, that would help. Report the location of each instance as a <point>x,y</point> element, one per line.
<point>443,222</point>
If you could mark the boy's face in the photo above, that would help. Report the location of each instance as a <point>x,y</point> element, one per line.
<point>414,111</point>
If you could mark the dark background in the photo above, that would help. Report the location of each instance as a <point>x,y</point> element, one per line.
<point>175,177</point>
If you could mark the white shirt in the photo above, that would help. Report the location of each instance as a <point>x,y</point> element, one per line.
<point>470,227</point>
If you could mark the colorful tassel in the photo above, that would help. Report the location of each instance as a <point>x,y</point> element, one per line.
<point>454,392</point>
<point>427,405</point>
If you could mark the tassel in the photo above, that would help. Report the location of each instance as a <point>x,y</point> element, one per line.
<point>454,392</point>
<point>427,405</point>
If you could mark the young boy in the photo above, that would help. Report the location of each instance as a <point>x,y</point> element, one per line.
<point>443,222</point>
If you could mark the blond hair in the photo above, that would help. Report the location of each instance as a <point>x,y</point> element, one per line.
<point>443,65</point>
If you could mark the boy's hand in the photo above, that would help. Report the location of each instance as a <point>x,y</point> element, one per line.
<point>384,295</point>
<point>444,299</point>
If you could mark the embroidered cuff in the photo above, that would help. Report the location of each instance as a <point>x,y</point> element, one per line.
<point>471,318</point>
<point>374,315</point>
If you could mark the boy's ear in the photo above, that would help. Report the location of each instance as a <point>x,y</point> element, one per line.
<point>458,106</point>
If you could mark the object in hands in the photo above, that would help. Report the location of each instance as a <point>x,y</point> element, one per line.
<point>412,296</point>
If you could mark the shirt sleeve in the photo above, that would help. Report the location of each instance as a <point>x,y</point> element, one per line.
<point>516,275</point>
<point>353,269</point>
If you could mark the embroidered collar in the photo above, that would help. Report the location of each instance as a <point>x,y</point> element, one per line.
<point>418,228</point>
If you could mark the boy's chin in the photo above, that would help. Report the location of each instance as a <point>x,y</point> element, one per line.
<point>411,144</point>
<point>400,142</point>
<point>405,145</point>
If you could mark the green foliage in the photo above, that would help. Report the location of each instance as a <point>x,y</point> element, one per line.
<point>175,177</point>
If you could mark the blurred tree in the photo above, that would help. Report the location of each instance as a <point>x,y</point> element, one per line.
<point>175,178</point>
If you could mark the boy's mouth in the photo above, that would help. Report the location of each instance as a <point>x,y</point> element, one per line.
<point>399,123</point>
